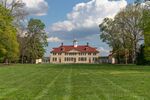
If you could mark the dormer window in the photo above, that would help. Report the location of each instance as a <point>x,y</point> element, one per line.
<point>62,49</point>
<point>86,48</point>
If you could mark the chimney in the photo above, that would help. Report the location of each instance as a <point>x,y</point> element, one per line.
<point>62,44</point>
<point>87,44</point>
<point>75,43</point>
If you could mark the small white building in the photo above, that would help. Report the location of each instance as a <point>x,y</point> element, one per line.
<point>38,61</point>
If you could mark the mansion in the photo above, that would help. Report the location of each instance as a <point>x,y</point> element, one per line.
<point>74,54</point>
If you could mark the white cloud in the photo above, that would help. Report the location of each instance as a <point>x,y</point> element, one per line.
<point>65,25</point>
<point>101,49</point>
<point>54,39</point>
<point>36,7</point>
<point>85,18</point>
<point>33,7</point>
<point>104,51</point>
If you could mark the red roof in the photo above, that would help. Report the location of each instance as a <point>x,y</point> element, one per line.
<point>80,48</point>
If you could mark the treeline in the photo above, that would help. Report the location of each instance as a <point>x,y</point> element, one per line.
<point>20,40</point>
<point>128,34</point>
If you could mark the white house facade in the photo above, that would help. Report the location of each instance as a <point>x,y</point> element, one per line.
<point>74,54</point>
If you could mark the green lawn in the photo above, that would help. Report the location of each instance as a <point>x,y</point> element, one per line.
<point>74,82</point>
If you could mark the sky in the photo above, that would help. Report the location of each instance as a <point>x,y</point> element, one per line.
<point>67,20</point>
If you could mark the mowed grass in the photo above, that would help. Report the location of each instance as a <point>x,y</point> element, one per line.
<point>74,82</point>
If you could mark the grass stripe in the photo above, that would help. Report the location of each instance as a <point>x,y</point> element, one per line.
<point>106,95</point>
<point>68,86</point>
<point>46,89</point>
<point>133,95</point>
<point>24,80</point>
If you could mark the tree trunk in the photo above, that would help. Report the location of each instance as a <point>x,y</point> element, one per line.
<point>22,58</point>
<point>134,53</point>
<point>118,58</point>
<point>126,56</point>
<point>32,61</point>
<point>5,60</point>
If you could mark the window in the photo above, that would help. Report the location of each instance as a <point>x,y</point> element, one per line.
<point>72,54</point>
<point>65,59</point>
<point>82,53</point>
<point>82,59</point>
<point>79,59</point>
<point>66,53</point>
<point>89,53</point>
<point>94,53</point>
<point>72,59</point>
<point>54,59</point>
<point>54,53</point>
<point>75,53</point>
<point>62,49</point>
<point>94,59</point>
<point>59,53</point>
<point>69,59</point>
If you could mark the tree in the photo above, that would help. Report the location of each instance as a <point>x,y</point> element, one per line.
<point>16,7</point>
<point>129,20</point>
<point>146,28</point>
<point>19,13</point>
<point>123,31</point>
<point>36,40</point>
<point>110,35</point>
<point>140,56</point>
<point>17,10</point>
<point>9,48</point>
<point>144,54</point>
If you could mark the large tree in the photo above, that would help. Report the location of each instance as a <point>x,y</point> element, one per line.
<point>9,47</point>
<point>129,19</point>
<point>19,13</point>
<point>36,40</point>
<point>146,28</point>
<point>115,38</point>
<point>125,30</point>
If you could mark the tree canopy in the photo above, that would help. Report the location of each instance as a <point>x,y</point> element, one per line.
<point>123,33</point>
<point>9,47</point>
<point>36,40</point>
<point>146,28</point>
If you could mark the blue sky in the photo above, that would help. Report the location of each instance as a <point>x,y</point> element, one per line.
<point>57,10</point>
<point>66,20</point>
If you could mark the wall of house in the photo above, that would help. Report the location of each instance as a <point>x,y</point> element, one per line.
<point>74,57</point>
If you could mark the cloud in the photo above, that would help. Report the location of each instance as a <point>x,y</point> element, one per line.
<point>54,39</point>
<point>33,7</point>
<point>36,7</point>
<point>104,51</point>
<point>84,19</point>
